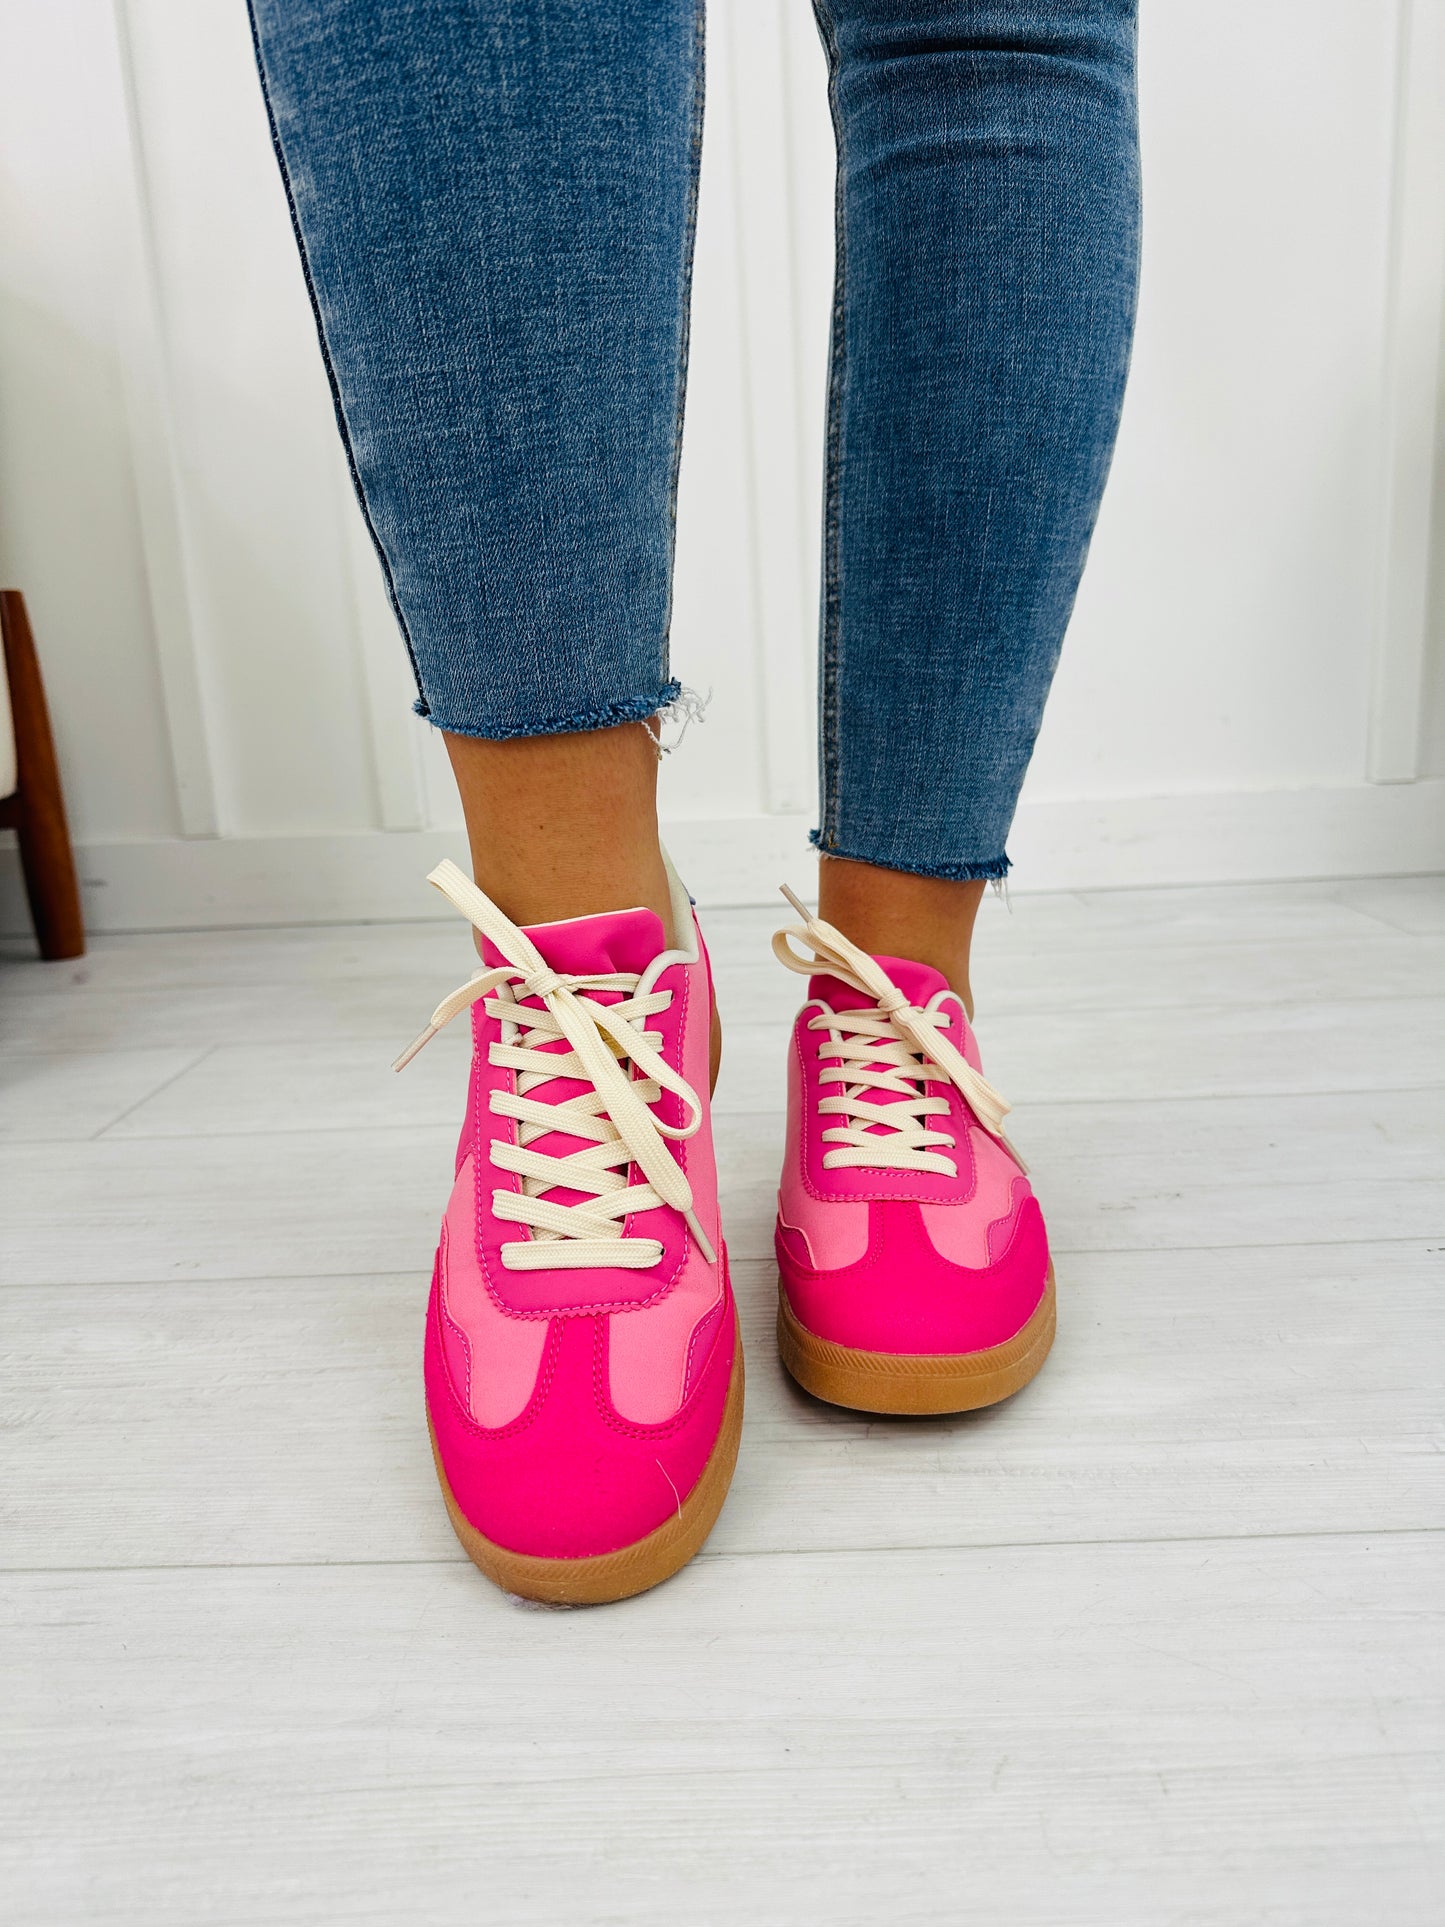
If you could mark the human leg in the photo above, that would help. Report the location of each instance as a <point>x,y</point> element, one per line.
<point>987,254</point>
<point>494,203</point>
<point>986,260</point>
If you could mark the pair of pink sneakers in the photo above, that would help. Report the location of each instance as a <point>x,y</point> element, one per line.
<point>584,1375</point>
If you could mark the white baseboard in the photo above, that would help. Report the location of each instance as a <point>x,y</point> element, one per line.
<point>377,876</point>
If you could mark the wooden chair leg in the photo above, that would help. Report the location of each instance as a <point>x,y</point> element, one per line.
<point>38,809</point>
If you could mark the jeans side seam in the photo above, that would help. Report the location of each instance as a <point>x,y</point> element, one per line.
<point>343,427</point>
<point>684,311</point>
<point>829,698</point>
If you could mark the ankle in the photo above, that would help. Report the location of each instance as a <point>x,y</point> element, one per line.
<point>565,826</point>
<point>892,913</point>
<point>555,887</point>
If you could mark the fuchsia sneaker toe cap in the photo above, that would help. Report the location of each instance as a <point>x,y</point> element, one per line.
<point>570,1478</point>
<point>903,1297</point>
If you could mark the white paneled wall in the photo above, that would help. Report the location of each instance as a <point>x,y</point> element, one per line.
<point>1251,687</point>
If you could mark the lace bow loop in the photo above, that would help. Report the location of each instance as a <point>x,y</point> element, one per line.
<point>834,956</point>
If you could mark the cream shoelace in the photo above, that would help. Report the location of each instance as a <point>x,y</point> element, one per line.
<point>895,1049</point>
<point>614,1116</point>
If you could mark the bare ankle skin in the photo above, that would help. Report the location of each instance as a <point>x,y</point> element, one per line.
<point>566,826</point>
<point>894,914</point>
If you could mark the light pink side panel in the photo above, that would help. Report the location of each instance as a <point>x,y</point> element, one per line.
<point>959,1232</point>
<point>647,1349</point>
<point>836,1232</point>
<point>495,1366</point>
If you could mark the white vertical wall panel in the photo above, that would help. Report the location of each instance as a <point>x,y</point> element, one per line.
<point>1415,341</point>
<point>273,617</point>
<point>1432,752</point>
<point>717,771</point>
<point>1223,635</point>
<point>170,563</point>
<point>759,103</point>
<point>198,556</point>
<point>69,530</point>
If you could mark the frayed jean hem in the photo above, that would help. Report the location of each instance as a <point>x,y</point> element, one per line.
<point>994,870</point>
<point>630,709</point>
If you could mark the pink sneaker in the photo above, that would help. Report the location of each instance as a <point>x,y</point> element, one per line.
<point>915,1273</point>
<point>584,1379</point>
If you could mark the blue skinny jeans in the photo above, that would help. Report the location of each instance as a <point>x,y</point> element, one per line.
<point>494,202</point>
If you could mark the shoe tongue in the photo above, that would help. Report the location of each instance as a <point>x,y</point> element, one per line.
<point>620,942</point>
<point>917,981</point>
<point>617,942</point>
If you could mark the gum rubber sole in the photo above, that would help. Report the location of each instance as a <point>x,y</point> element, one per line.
<point>918,1382</point>
<point>606,1576</point>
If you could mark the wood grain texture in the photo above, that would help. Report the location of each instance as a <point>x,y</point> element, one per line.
<point>1052,1057</point>
<point>1201,1051</point>
<point>1219,1734</point>
<point>281,1419</point>
<point>1154,1643</point>
<point>1244,946</point>
<point>1204,1174</point>
<point>52,1095</point>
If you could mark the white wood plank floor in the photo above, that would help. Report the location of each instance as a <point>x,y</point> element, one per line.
<point>1157,1642</point>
